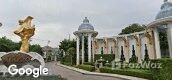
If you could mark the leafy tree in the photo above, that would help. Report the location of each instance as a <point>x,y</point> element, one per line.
<point>70,57</point>
<point>4,48</point>
<point>72,53</point>
<point>69,47</point>
<point>36,48</point>
<point>7,45</point>
<point>133,28</point>
<point>66,44</point>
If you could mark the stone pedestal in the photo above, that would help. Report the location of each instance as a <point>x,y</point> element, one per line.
<point>25,60</point>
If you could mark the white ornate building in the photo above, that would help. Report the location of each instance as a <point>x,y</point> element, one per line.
<point>140,42</point>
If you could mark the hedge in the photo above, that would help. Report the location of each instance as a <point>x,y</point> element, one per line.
<point>107,57</point>
<point>69,59</point>
<point>66,63</point>
<point>164,73</point>
<point>89,63</point>
<point>129,72</point>
<point>87,67</point>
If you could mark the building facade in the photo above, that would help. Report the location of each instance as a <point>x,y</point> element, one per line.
<point>50,54</point>
<point>138,43</point>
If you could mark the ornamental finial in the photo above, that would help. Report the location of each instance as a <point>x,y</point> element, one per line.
<point>85,20</point>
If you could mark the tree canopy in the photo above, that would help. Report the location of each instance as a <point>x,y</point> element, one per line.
<point>69,47</point>
<point>36,48</point>
<point>133,28</point>
<point>66,44</point>
<point>7,45</point>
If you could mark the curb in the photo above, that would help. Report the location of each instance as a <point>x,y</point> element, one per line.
<point>100,74</point>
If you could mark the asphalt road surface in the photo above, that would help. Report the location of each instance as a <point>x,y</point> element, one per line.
<point>73,75</point>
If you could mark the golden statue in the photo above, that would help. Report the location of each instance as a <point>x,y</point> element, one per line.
<point>25,32</point>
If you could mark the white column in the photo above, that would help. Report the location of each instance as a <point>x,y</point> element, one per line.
<point>157,43</point>
<point>93,48</point>
<point>169,37</point>
<point>83,49</point>
<point>126,49</point>
<point>138,48</point>
<point>89,47</point>
<point>116,49</point>
<point>139,53</point>
<point>77,54</point>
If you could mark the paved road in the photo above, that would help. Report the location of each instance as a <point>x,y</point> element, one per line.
<point>73,75</point>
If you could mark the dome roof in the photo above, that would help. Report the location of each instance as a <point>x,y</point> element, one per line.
<point>166,10</point>
<point>86,25</point>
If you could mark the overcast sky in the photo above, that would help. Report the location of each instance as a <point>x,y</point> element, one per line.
<point>56,19</point>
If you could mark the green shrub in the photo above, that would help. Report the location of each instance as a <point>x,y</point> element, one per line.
<point>69,59</point>
<point>89,63</point>
<point>49,58</point>
<point>66,63</point>
<point>164,73</point>
<point>129,72</point>
<point>107,57</point>
<point>133,59</point>
<point>146,56</point>
<point>87,67</point>
<point>108,65</point>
